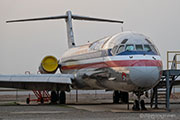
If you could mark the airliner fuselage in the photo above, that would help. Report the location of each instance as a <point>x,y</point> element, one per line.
<point>124,62</point>
<point>127,61</point>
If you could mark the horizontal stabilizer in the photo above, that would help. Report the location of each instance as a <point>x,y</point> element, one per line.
<point>68,18</point>
<point>37,19</point>
<point>77,17</point>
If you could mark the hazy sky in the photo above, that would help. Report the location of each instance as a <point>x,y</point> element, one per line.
<point>23,45</point>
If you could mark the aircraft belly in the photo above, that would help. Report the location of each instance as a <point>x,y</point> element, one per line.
<point>118,79</point>
<point>109,78</point>
<point>118,85</point>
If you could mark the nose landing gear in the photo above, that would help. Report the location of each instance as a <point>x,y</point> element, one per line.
<point>138,103</point>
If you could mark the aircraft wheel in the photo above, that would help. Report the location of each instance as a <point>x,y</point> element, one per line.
<point>136,105</point>
<point>143,105</point>
<point>27,100</point>
<point>116,97</point>
<point>54,97</point>
<point>42,101</point>
<point>124,97</point>
<point>62,97</point>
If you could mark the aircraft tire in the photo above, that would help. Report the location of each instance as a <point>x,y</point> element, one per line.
<point>124,97</point>
<point>143,105</point>
<point>54,97</point>
<point>42,101</point>
<point>27,100</point>
<point>136,106</point>
<point>116,97</point>
<point>62,97</point>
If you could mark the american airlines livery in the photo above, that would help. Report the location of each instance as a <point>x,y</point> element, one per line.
<point>123,62</point>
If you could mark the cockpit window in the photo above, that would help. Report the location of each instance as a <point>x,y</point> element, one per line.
<point>134,47</point>
<point>129,47</point>
<point>154,49</point>
<point>114,49</point>
<point>120,49</point>
<point>139,47</point>
<point>124,41</point>
<point>147,48</point>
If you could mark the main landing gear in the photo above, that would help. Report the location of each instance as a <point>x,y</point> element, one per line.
<point>56,96</point>
<point>122,96</point>
<point>138,103</point>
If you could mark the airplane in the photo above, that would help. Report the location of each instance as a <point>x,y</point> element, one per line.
<point>123,62</point>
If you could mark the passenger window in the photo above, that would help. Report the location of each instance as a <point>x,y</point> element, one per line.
<point>139,48</point>
<point>129,47</point>
<point>114,49</point>
<point>120,49</point>
<point>147,48</point>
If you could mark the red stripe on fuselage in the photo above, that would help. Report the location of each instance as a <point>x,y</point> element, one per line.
<point>121,63</point>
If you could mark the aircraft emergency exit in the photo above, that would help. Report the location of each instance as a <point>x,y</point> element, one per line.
<point>123,62</point>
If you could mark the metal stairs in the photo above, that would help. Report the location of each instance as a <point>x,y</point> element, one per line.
<point>158,94</point>
<point>161,92</point>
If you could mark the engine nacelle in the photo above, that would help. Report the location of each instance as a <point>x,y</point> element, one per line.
<point>49,65</point>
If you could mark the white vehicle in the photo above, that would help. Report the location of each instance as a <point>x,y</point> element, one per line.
<point>124,62</point>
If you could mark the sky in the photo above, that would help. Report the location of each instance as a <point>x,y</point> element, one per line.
<point>23,45</point>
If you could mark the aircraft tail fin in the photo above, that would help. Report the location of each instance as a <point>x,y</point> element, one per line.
<point>68,17</point>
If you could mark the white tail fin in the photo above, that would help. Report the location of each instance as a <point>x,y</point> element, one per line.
<point>68,18</point>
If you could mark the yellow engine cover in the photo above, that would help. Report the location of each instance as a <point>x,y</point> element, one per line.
<point>49,64</point>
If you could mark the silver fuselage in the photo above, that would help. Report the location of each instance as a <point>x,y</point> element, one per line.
<point>99,65</point>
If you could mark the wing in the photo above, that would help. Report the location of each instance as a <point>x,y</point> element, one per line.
<point>37,82</point>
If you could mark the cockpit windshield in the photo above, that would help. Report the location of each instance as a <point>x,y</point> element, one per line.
<point>147,48</point>
<point>131,47</point>
<point>120,49</point>
<point>139,47</point>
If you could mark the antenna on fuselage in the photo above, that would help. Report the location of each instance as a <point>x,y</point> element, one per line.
<point>68,18</point>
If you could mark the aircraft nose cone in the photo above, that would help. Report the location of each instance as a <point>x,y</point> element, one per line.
<point>145,77</point>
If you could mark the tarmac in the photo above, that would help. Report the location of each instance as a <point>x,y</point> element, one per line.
<point>88,107</point>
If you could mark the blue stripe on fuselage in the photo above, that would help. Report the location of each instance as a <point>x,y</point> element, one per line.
<point>133,53</point>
